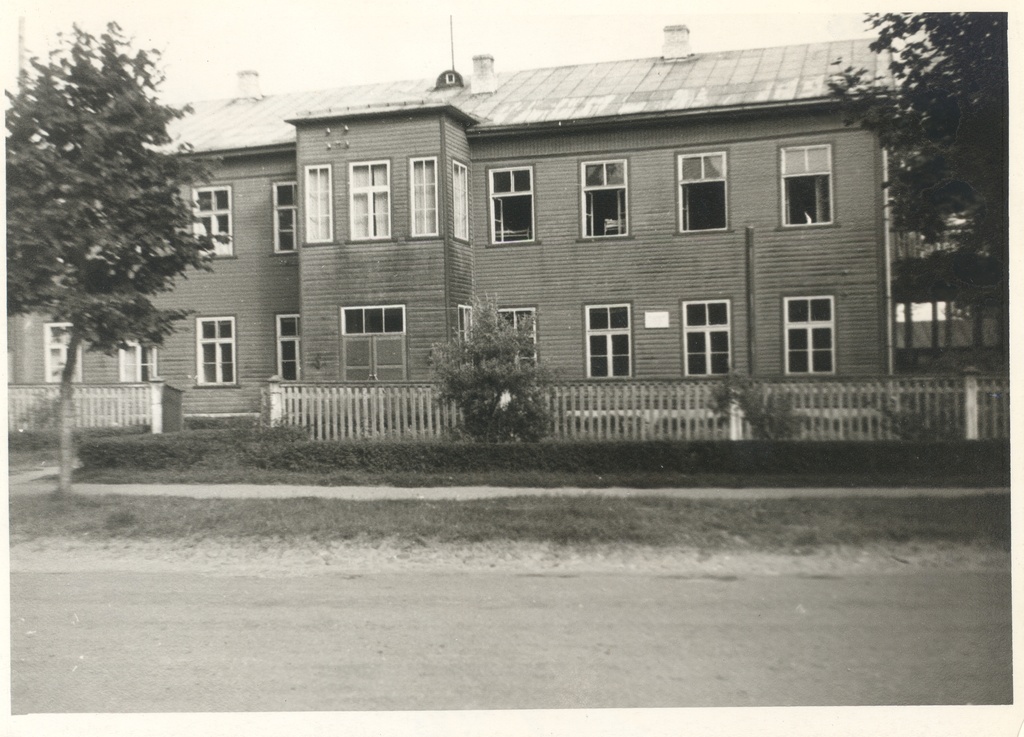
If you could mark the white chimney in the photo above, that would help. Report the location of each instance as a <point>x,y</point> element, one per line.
<point>483,80</point>
<point>249,85</point>
<point>677,42</point>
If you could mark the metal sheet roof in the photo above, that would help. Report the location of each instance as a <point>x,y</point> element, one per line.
<point>778,75</point>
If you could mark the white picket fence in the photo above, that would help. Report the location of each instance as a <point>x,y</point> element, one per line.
<point>34,406</point>
<point>889,408</point>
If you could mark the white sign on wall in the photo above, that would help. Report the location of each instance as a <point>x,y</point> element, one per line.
<point>656,319</point>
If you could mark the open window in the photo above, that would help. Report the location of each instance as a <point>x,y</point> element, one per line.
<point>512,205</point>
<point>604,199</point>
<point>807,185</point>
<point>702,199</point>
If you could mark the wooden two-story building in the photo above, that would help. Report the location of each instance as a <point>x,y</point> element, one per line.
<point>677,216</point>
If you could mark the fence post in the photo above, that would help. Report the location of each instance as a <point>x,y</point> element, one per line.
<point>735,421</point>
<point>276,403</point>
<point>156,405</point>
<point>971,403</point>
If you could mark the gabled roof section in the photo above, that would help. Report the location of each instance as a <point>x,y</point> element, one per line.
<point>654,86</point>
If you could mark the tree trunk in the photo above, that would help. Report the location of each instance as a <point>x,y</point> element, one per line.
<point>66,414</point>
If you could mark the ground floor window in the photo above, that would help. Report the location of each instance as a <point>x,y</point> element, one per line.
<point>706,337</point>
<point>810,335</point>
<point>373,343</point>
<point>56,337</point>
<point>288,347</point>
<point>609,343</point>
<point>137,363</point>
<point>465,322</point>
<point>215,339</point>
<point>523,318</point>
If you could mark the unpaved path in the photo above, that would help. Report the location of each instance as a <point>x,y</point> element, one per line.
<point>535,635</point>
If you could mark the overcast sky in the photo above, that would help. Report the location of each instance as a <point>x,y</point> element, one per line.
<point>316,44</point>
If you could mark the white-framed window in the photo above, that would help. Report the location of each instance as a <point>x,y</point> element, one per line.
<point>511,205</point>
<point>137,363</point>
<point>810,335</point>
<point>285,209</point>
<point>423,183</point>
<point>807,185</point>
<point>288,337</point>
<point>460,199</point>
<point>319,204</point>
<point>702,196</point>
<point>604,198</point>
<point>706,337</point>
<point>56,337</point>
<point>465,322</point>
<point>213,211</point>
<point>370,199</point>
<point>520,317</point>
<point>373,343</point>
<point>609,341</point>
<point>215,350</point>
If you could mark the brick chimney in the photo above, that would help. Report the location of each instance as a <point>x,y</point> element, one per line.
<point>484,81</point>
<point>249,85</point>
<point>677,42</point>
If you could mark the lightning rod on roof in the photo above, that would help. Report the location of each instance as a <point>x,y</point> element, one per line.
<point>451,36</point>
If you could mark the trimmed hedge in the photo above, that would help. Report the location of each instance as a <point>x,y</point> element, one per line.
<point>287,449</point>
<point>27,440</point>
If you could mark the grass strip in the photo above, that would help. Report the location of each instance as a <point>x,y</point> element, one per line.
<point>768,525</point>
<point>896,478</point>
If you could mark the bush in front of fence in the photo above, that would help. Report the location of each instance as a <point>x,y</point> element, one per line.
<point>29,440</point>
<point>210,448</point>
<point>286,449</point>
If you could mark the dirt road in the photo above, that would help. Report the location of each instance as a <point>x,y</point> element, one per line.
<point>223,628</point>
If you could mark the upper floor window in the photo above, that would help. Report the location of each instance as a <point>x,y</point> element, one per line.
<point>56,338</point>
<point>370,195</point>
<point>213,209</point>
<point>702,200</point>
<point>460,190</point>
<point>288,347</point>
<point>511,205</point>
<point>604,198</point>
<point>807,185</point>
<point>215,350</point>
<point>319,205</point>
<point>423,177</point>
<point>706,336</point>
<point>284,217</point>
<point>810,335</point>
<point>137,363</point>
<point>609,350</point>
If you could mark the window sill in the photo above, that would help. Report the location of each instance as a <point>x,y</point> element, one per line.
<point>606,238</point>
<point>316,244</point>
<point>216,386</point>
<point>515,244</point>
<point>709,231</point>
<point>808,226</point>
<point>370,241</point>
<point>285,253</point>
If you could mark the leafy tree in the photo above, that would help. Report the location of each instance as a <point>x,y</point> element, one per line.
<point>98,217</point>
<point>493,378</point>
<point>943,115</point>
